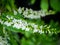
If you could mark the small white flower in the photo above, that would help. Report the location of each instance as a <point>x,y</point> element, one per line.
<point>35,30</point>
<point>27,9</point>
<point>35,26</point>
<point>30,11</point>
<point>25,13</point>
<point>27,29</point>
<point>14,20</point>
<point>19,21</point>
<point>15,12</point>
<point>16,25</point>
<point>20,10</point>
<point>43,14</point>
<point>40,31</point>
<point>11,17</point>
<point>25,23</point>
<point>23,28</point>
<point>8,23</point>
<point>41,26</point>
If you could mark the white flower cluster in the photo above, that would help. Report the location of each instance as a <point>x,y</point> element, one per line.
<point>29,13</point>
<point>24,25</point>
<point>3,41</point>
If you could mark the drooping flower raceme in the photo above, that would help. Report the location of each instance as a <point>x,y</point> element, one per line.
<point>24,24</point>
<point>29,13</point>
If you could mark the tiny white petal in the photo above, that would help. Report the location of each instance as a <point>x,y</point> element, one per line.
<point>15,12</point>
<point>35,30</point>
<point>16,26</point>
<point>20,10</point>
<point>40,31</point>
<point>23,28</point>
<point>8,23</point>
<point>27,29</point>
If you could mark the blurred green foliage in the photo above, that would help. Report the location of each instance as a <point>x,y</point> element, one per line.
<point>7,5</point>
<point>10,4</point>
<point>32,1</point>
<point>55,4</point>
<point>45,4</point>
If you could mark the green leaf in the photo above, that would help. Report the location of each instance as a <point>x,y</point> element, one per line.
<point>26,42</point>
<point>12,39</point>
<point>28,34</point>
<point>32,1</point>
<point>44,5</point>
<point>55,4</point>
<point>8,7</point>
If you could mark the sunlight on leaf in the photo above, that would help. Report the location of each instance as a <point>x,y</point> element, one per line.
<point>44,5</point>
<point>32,1</point>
